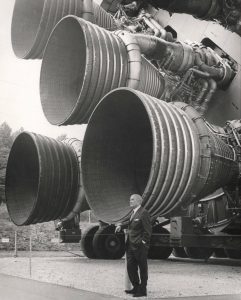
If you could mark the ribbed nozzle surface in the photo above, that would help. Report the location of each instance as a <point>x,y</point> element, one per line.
<point>42,179</point>
<point>135,143</point>
<point>33,21</point>
<point>82,63</point>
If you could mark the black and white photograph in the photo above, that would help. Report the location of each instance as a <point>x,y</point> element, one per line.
<point>120,149</point>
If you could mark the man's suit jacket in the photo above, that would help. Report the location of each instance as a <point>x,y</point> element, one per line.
<point>139,229</point>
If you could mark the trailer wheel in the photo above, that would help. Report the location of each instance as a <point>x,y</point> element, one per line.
<point>179,252</point>
<point>155,251</point>
<point>219,253</point>
<point>198,253</point>
<point>87,241</point>
<point>107,244</point>
<point>233,253</point>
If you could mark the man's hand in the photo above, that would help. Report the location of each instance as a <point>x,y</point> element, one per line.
<point>118,228</point>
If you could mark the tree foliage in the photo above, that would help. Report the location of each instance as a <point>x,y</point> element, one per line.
<point>6,140</point>
<point>16,133</point>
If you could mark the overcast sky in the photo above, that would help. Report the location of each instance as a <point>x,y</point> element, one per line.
<point>20,104</point>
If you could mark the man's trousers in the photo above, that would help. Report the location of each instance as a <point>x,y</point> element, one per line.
<point>137,257</point>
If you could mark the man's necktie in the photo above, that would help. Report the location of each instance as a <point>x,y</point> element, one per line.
<point>132,215</point>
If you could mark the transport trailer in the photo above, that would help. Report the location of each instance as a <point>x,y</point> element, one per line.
<point>189,241</point>
<point>185,237</point>
<point>200,236</point>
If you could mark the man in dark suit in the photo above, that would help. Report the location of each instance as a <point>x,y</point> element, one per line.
<point>137,244</point>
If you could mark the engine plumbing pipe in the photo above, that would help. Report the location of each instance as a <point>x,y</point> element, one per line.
<point>135,143</point>
<point>33,21</point>
<point>43,180</point>
<point>83,62</point>
<point>182,56</point>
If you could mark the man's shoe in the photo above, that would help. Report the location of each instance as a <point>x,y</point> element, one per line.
<point>141,292</point>
<point>132,291</point>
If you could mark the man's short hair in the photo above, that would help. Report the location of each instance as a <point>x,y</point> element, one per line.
<point>137,197</point>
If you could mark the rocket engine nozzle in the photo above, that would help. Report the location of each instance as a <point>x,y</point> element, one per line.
<point>137,144</point>
<point>43,180</point>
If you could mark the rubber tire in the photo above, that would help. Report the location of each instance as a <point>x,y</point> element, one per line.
<point>87,241</point>
<point>198,253</point>
<point>219,253</point>
<point>158,252</point>
<point>233,253</point>
<point>107,244</point>
<point>179,252</point>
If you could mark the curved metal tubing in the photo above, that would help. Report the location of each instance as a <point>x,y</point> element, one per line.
<point>42,179</point>
<point>111,5</point>
<point>135,143</point>
<point>82,63</point>
<point>33,21</point>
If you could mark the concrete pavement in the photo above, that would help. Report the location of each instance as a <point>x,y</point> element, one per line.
<point>220,297</point>
<point>15,288</point>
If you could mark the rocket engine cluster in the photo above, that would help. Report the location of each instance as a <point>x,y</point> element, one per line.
<point>144,94</point>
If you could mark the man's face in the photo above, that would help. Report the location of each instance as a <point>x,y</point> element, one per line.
<point>134,201</point>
